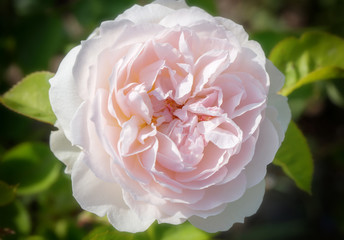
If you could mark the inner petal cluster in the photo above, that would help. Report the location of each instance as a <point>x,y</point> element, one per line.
<point>181,109</point>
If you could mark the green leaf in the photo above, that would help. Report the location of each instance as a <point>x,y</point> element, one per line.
<point>315,56</point>
<point>15,217</point>
<point>58,200</point>
<point>155,232</point>
<point>7,193</point>
<point>38,38</point>
<point>186,229</point>
<point>30,165</point>
<point>35,238</point>
<point>335,92</point>
<point>207,5</point>
<point>268,39</point>
<point>90,13</point>
<point>295,158</point>
<point>108,233</point>
<point>30,97</point>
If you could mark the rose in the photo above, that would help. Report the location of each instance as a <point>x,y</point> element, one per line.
<point>168,114</point>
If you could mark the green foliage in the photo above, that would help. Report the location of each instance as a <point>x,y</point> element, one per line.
<point>31,166</point>
<point>30,97</point>
<point>335,91</point>
<point>295,158</point>
<point>188,230</point>
<point>155,232</point>
<point>15,217</point>
<point>7,193</point>
<point>315,56</point>
<point>268,39</point>
<point>207,5</point>
<point>107,233</point>
<point>38,40</point>
<point>90,13</point>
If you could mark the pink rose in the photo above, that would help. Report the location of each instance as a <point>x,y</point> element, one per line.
<point>167,113</point>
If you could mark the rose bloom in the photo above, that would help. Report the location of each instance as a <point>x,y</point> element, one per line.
<point>168,113</point>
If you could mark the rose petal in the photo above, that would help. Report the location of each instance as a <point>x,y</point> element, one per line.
<point>177,4</point>
<point>256,169</point>
<point>63,93</point>
<point>235,211</point>
<point>63,149</point>
<point>234,28</point>
<point>104,198</point>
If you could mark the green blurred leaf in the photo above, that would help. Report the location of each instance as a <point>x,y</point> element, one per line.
<point>325,73</point>
<point>38,38</point>
<point>207,5</point>
<point>295,158</point>
<point>155,232</point>
<point>7,193</point>
<point>15,217</point>
<point>58,200</point>
<point>108,233</point>
<point>315,56</point>
<point>67,228</point>
<point>30,97</point>
<point>30,165</point>
<point>90,13</point>
<point>35,238</point>
<point>186,229</point>
<point>268,39</point>
<point>335,91</point>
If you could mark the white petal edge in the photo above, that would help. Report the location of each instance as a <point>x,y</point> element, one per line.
<point>235,211</point>
<point>63,94</point>
<point>63,149</point>
<point>276,77</point>
<point>278,102</point>
<point>105,198</point>
<point>265,150</point>
<point>279,113</point>
<point>151,13</point>
<point>178,4</point>
<point>234,28</point>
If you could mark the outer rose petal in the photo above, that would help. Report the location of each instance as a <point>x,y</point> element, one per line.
<point>234,28</point>
<point>256,169</point>
<point>100,197</point>
<point>63,94</point>
<point>278,102</point>
<point>276,75</point>
<point>151,13</point>
<point>63,149</point>
<point>235,211</point>
<point>177,4</point>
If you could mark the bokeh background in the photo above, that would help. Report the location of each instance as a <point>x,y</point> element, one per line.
<point>36,34</point>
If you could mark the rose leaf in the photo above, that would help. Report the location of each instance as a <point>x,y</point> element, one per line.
<point>31,166</point>
<point>15,218</point>
<point>314,57</point>
<point>295,158</point>
<point>208,5</point>
<point>108,232</point>
<point>30,97</point>
<point>7,193</point>
<point>186,229</point>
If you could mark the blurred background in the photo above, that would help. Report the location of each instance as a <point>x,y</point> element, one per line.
<point>36,34</point>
